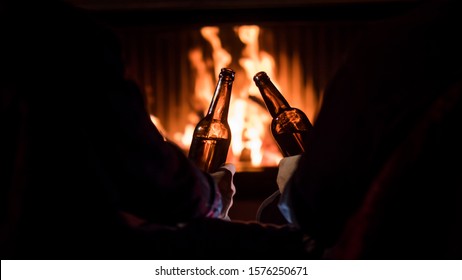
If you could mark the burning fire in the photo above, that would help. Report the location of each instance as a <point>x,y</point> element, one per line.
<point>249,121</point>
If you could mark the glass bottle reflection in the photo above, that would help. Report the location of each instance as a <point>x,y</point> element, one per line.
<point>212,135</point>
<point>290,126</point>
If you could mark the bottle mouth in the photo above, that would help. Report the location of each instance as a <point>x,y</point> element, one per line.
<point>260,76</point>
<point>227,73</point>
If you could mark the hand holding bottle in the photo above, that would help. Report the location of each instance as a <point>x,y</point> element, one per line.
<point>291,130</point>
<point>212,138</point>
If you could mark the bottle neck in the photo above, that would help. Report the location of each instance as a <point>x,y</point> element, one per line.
<point>219,106</point>
<point>275,102</point>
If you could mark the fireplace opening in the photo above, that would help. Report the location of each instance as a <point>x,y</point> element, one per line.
<point>175,52</point>
<point>177,69</point>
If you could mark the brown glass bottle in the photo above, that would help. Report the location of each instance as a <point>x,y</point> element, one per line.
<point>290,127</point>
<point>212,135</point>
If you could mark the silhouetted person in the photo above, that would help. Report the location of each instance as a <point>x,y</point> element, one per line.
<point>84,172</point>
<point>382,176</point>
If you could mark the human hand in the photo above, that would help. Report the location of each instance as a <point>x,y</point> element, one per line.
<point>286,168</point>
<point>223,177</point>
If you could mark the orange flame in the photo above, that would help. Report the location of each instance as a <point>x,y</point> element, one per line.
<point>248,120</point>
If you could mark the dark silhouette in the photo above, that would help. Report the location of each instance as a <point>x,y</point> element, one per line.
<point>382,176</point>
<point>84,172</point>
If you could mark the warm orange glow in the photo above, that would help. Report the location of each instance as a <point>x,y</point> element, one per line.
<point>221,58</point>
<point>251,141</point>
<point>253,60</point>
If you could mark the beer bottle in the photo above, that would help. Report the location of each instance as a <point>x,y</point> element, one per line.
<point>290,127</point>
<point>212,135</point>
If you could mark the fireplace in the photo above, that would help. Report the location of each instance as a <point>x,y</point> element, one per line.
<point>174,50</point>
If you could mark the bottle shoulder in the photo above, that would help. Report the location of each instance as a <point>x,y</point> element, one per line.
<point>291,114</point>
<point>290,120</point>
<point>211,128</point>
